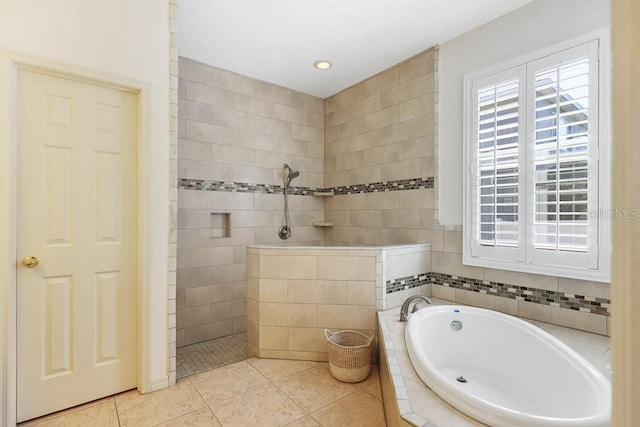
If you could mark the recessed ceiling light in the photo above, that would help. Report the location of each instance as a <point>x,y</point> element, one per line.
<point>322,64</point>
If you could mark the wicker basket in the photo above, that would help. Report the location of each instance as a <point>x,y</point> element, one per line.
<point>349,355</point>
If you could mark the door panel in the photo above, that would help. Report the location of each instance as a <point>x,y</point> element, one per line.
<point>77,214</point>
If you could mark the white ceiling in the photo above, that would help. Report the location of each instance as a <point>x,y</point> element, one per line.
<point>278,40</point>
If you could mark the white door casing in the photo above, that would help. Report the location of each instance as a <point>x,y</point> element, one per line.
<point>77,310</point>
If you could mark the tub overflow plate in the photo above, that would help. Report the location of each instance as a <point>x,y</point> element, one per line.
<point>456,325</point>
<point>461,379</point>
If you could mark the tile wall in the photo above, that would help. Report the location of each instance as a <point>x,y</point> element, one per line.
<point>294,294</point>
<point>377,131</point>
<point>374,145</point>
<point>237,131</point>
<point>386,128</point>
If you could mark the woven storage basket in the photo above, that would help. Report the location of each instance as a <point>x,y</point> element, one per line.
<point>349,355</point>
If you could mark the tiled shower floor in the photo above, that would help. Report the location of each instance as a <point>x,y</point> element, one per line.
<point>196,358</point>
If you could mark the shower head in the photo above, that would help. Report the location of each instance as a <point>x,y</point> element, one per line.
<point>291,174</point>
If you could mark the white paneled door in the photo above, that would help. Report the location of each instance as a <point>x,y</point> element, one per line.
<point>77,280</point>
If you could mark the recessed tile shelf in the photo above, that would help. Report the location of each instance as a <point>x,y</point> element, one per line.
<point>323,194</point>
<point>322,224</point>
<point>220,225</point>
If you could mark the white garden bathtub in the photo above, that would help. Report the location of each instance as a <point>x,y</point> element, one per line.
<point>516,374</point>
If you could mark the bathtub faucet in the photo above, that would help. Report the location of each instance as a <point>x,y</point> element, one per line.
<point>404,311</point>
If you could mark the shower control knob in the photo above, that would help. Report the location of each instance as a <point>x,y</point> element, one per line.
<point>284,232</point>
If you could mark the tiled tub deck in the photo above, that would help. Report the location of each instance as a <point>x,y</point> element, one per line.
<point>409,402</point>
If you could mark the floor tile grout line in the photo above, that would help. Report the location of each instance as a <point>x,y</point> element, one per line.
<point>206,404</point>
<point>284,392</point>
<point>115,405</point>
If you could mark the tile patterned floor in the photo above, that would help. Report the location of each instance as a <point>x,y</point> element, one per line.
<point>204,356</point>
<point>254,392</point>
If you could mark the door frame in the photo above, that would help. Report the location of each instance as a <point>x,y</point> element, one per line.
<point>10,65</point>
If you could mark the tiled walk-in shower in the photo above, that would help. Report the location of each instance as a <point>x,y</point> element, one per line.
<point>204,356</point>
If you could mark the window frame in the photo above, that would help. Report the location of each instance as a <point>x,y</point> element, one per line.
<point>520,260</point>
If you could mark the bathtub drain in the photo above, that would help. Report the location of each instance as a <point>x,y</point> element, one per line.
<point>461,379</point>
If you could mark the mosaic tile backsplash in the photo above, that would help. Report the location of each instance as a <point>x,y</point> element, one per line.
<point>539,296</point>
<point>243,187</point>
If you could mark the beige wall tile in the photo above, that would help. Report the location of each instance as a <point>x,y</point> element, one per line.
<point>274,314</point>
<point>273,338</point>
<point>332,292</point>
<point>208,132</point>
<point>442,262</point>
<point>346,316</point>
<point>239,324</point>
<point>271,127</point>
<point>289,267</point>
<point>207,331</point>
<point>417,107</point>
<point>192,316</point>
<point>199,257</point>
<point>208,294</point>
<point>254,140</point>
<point>350,268</point>
<point>253,311</point>
<point>194,277</point>
<point>400,93</point>
<point>194,71</point>
<point>561,316</point>
<point>303,315</point>
<point>307,102</point>
<point>302,291</point>
<point>444,292</point>
<point>361,293</point>
<point>271,92</point>
<point>226,274</point>
<point>273,290</point>
<point>504,305</point>
<point>408,264</point>
<point>521,279</point>
<point>253,265</point>
<point>289,114</point>
<point>191,199</point>
<point>307,339</point>
<point>584,287</point>
<point>365,106</point>
<point>252,333</point>
<point>396,299</point>
<point>452,242</point>
<point>400,218</point>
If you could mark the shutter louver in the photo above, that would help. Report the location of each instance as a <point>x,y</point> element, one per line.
<point>497,164</point>
<point>560,151</point>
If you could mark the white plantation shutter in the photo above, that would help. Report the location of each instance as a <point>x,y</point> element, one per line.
<point>533,159</point>
<point>563,172</point>
<point>496,165</point>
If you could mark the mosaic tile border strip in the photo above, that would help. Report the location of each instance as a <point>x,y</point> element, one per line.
<point>575,302</point>
<point>401,184</point>
<point>408,282</point>
<point>243,187</point>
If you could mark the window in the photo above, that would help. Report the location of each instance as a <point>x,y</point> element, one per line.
<point>537,170</point>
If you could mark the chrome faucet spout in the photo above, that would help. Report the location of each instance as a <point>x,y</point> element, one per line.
<point>404,310</point>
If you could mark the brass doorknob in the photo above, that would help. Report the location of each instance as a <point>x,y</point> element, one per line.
<point>30,261</point>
